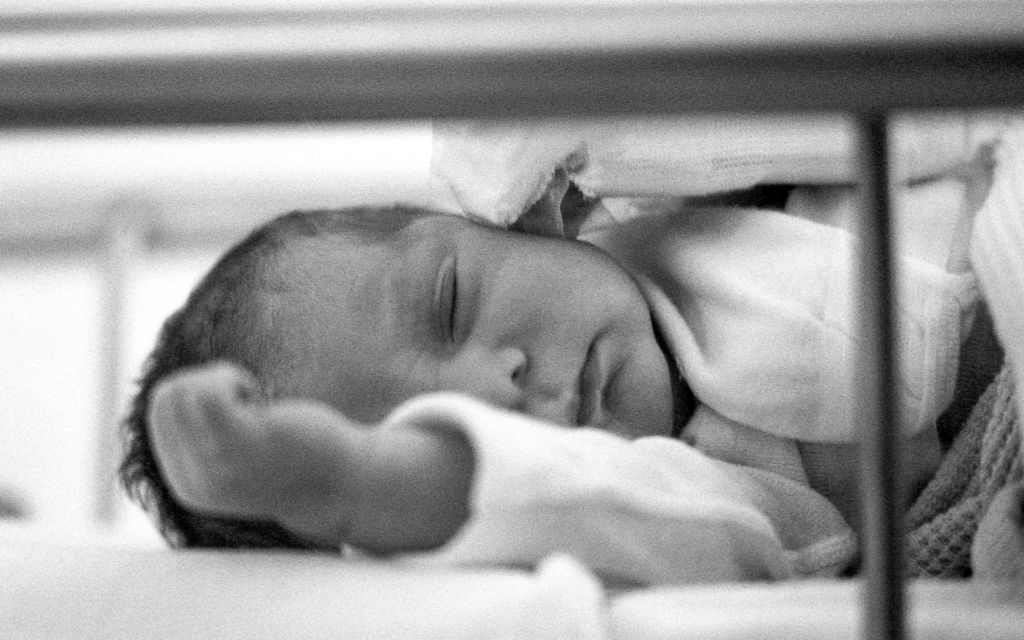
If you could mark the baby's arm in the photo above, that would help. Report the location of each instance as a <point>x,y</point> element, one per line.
<point>647,511</point>
<point>224,450</point>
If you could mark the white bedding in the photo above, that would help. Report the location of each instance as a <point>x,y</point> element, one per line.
<point>494,171</point>
<point>96,593</point>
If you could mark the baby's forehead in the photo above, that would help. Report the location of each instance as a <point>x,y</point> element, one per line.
<point>344,245</point>
<point>352,260</point>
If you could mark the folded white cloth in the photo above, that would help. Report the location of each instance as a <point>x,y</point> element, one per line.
<point>758,309</point>
<point>494,171</point>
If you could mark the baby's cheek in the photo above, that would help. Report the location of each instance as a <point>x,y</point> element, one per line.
<point>640,396</point>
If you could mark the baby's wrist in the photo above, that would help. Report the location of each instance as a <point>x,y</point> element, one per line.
<point>315,495</point>
<point>412,490</point>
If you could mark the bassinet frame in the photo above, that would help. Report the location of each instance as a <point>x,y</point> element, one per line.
<point>864,59</point>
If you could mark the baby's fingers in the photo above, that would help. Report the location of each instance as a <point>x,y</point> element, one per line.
<point>205,433</point>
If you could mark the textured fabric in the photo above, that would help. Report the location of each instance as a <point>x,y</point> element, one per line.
<point>984,459</point>
<point>977,488</point>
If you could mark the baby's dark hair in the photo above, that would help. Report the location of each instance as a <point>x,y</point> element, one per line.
<point>225,318</point>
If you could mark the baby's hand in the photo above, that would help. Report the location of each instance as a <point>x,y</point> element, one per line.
<point>224,449</point>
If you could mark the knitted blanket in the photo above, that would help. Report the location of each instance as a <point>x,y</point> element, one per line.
<point>986,459</point>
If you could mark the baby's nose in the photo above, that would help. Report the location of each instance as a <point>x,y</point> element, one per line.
<point>503,378</point>
<point>496,376</point>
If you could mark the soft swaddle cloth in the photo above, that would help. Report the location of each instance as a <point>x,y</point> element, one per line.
<point>758,309</point>
<point>494,171</point>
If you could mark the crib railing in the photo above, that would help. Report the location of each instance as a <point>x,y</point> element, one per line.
<point>538,59</point>
<point>865,59</point>
<point>881,537</point>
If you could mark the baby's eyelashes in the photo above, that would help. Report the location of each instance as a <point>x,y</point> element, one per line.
<point>446,300</point>
<point>453,307</point>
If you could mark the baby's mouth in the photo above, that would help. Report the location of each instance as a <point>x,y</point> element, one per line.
<point>590,380</point>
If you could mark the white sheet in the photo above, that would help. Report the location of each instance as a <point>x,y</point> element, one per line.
<point>121,594</point>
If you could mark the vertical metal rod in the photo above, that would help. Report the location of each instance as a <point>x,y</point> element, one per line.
<point>122,244</point>
<point>881,535</point>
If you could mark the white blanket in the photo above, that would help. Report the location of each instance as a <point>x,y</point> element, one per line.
<point>495,171</point>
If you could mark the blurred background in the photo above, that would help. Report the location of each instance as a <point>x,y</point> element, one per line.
<point>103,232</point>
<point>102,235</point>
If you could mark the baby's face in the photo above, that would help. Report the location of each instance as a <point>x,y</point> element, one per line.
<point>546,327</point>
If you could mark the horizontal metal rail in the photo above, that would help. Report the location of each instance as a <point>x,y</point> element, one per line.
<point>508,60</point>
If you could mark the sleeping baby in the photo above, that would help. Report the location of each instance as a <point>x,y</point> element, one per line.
<point>412,384</point>
<point>332,319</point>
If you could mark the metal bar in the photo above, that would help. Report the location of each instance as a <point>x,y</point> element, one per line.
<point>509,61</point>
<point>881,534</point>
<point>123,245</point>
